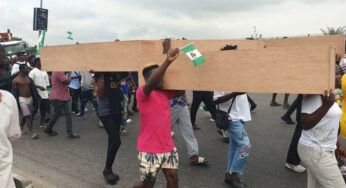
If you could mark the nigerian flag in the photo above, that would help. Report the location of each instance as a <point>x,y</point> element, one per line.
<point>40,43</point>
<point>69,35</point>
<point>193,54</point>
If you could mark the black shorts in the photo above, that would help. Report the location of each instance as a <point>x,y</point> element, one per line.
<point>44,105</point>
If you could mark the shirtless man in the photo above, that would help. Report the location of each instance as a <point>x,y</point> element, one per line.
<point>22,89</point>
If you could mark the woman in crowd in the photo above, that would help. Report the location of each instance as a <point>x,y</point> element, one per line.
<point>109,96</point>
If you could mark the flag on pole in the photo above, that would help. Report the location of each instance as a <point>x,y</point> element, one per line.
<point>40,43</point>
<point>69,35</point>
<point>193,54</point>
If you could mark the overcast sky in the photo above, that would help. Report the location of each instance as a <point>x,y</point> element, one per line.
<point>106,20</point>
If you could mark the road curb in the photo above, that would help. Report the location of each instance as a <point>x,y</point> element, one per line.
<point>22,182</point>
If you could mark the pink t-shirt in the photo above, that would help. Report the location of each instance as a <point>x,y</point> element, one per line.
<point>155,121</point>
<point>59,89</point>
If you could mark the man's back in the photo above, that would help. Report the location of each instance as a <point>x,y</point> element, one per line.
<point>59,88</point>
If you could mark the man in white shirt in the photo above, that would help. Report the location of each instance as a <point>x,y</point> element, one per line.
<point>21,61</point>
<point>239,146</point>
<point>9,130</point>
<point>41,81</point>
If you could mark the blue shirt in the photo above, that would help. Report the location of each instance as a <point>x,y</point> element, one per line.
<point>75,82</point>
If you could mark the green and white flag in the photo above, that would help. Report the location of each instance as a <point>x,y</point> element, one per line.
<point>69,35</point>
<point>40,43</point>
<point>193,54</point>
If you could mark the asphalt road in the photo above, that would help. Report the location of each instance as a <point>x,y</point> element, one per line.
<point>61,162</point>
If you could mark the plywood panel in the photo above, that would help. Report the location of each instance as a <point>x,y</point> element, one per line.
<point>125,55</point>
<point>294,65</point>
<point>281,70</point>
<point>105,56</point>
<point>337,41</point>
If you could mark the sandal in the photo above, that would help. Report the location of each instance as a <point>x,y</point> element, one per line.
<point>275,104</point>
<point>197,160</point>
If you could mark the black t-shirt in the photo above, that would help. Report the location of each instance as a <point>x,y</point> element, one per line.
<point>112,89</point>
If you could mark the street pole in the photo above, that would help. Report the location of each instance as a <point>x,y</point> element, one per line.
<point>39,32</point>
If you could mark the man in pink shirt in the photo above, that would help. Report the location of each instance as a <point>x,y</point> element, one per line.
<point>156,149</point>
<point>60,98</point>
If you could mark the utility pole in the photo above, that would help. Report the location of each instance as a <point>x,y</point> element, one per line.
<point>39,32</point>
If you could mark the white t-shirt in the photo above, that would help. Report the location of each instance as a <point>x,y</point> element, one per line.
<point>9,130</point>
<point>86,81</point>
<point>15,67</point>
<point>40,78</point>
<point>325,133</point>
<point>240,109</point>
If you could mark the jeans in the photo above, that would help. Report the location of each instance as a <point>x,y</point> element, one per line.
<point>239,147</point>
<point>75,94</point>
<point>58,107</point>
<point>86,96</point>
<point>180,116</point>
<point>112,127</point>
<point>125,104</point>
<point>202,96</point>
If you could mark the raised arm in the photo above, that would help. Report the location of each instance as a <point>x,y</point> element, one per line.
<point>156,77</point>
<point>309,121</point>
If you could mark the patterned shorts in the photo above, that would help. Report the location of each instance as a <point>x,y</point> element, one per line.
<point>151,163</point>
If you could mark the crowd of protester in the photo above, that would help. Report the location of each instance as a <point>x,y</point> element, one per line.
<point>32,92</point>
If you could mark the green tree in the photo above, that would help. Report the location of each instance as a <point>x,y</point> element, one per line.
<point>334,31</point>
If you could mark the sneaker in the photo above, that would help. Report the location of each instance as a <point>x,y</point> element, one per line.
<point>295,168</point>
<point>77,114</point>
<point>234,181</point>
<point>73,136</point>
<point>100,124</point>
<point>34,136</point>
<point>86,109</point>
<point>287,120</point>
<point>110,177</point>
<point>50,133</point>
<point>129,121</point>
<point>212,120</point>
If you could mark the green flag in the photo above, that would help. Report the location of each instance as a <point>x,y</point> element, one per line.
<point>193,54</point>
<point>40,43</point>
<point>69,35</point>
